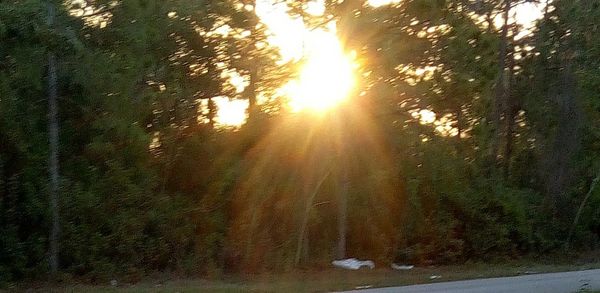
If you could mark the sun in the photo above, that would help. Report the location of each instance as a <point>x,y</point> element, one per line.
<point>327,77</point>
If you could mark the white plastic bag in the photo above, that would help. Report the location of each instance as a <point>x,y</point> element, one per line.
<point>402,267</point>
<point>353,264</point>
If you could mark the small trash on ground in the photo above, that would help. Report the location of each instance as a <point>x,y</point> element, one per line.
<point>402,267</point>
<point>353,264</point>
<point>433,277</point>
<point>363,287</point>
<point>114,283</point>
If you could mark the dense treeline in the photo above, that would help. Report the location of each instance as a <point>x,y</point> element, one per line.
<point>150,182</point>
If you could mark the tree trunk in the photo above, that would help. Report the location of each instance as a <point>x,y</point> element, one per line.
<point>53,139</point>
<point>458,128</point>
<point>342,210</point>
<point>490,22</point>
<point>212,113</point>
<point>510,113</point>
<point>251,95</point>
<point>510,117</point>
<point>581,206</point>
<point>343,184</point>
<point>304,224</point>
<point>567,139</point>
<point>500,86</point>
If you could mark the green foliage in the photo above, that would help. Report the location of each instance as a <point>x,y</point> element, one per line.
<point>148,185</point>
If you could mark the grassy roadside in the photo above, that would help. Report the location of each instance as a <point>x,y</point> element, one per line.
<point>325,280</point>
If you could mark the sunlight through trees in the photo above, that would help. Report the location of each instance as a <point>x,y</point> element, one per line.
<point>206,138</point>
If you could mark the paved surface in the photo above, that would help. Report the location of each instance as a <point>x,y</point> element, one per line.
<point>548,283</point>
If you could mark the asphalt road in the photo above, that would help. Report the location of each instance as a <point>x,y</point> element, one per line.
<point>548,283</point>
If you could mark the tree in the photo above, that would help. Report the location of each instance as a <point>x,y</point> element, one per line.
<point>53,133</point>
<point>461,140</point>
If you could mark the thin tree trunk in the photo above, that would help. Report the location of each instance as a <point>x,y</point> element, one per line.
<point>343,180</point>
<point>342,212</point>
<point>304,224</point>
<point>251,95</point>
<point>490,22</point>
<point>53,139</point>
<point>581,206</point>
<point>500,87</point>
<point>509,114</point>
<point>510,117</point>
<point>458,127</point>
<point>567,138</point>
<point>212,113</point>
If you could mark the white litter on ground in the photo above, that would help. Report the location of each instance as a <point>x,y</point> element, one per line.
<point>402,267</point>
<point>433,277</point>
<point>353,264</point>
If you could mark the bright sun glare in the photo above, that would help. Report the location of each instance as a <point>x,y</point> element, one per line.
<point>326,78</point>
<point>231,112</point>
<point>378,3</point>
<point>328,75</point>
